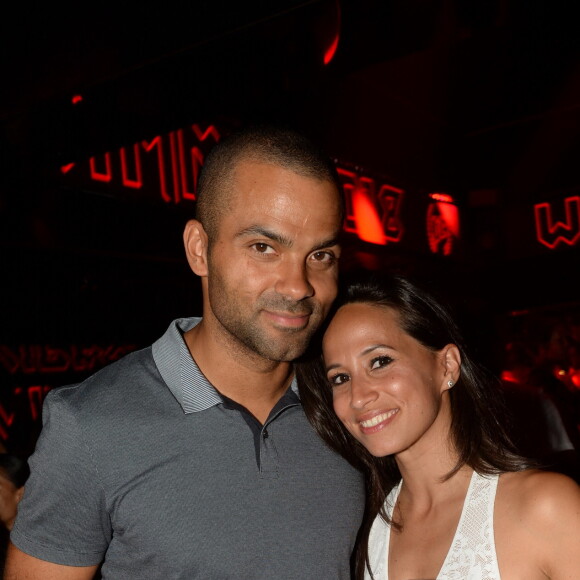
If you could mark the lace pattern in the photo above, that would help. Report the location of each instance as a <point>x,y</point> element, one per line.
<point>472,553</point>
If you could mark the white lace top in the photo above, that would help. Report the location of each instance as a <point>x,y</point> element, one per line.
<point>472,553</point>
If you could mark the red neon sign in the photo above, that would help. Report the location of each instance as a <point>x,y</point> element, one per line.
<point>168,166</point>
<point>552,233</point>
<point>442,224</point>
<point>99,175</point>
<point>36,358</point>
<point>177,156</point>
<point>374,216</point>
<point>137,182</point>
<point>35,395</point>
<point>32,360</point>
<point>6,421</point>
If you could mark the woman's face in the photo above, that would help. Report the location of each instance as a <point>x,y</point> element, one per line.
<point>387,387</point>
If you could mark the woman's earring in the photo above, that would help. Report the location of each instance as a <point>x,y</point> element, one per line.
<point>450,383</point>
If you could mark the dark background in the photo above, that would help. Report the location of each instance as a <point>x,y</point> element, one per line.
<point>480,100</point>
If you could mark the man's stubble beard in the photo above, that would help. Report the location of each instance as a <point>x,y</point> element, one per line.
<point>249,335</point>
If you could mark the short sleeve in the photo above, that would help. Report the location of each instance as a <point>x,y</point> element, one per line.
<point>62,517</point>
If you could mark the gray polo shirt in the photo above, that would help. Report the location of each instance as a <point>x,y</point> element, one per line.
<point>146,466</point>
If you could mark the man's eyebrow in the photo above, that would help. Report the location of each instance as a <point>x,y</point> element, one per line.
<point>281,239</point>
<point>266,233</point>
<point>327,243</point>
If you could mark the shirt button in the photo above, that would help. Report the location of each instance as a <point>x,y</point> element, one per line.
<point>265,434</point>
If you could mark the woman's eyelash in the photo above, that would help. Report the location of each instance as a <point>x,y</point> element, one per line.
<point>338,379</point>
<point>381,361</point>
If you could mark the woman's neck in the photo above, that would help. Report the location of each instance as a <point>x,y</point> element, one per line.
<point>425,466</point>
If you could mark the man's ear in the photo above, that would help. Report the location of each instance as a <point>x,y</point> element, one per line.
<point>195,241</point>
<point>451,360</point>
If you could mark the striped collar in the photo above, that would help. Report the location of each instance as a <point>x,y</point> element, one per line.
<point>180,372</point>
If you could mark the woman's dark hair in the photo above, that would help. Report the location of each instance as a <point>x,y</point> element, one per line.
<point>14,469</point>
<point>478,420</point>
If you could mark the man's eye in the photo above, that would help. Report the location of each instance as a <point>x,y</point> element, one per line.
<point>338,379</point>
<point>323,256</point>
<point>380,361</point>
<point>262,248</point>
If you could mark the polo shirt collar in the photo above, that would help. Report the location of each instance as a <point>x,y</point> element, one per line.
<point>180,372</point>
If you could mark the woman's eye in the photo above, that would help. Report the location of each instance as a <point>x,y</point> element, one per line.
<point>338,379</point>
<point>380,361</point>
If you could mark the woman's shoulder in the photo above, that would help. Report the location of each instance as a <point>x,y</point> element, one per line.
<point>541,500</point>
<point>537,515</point>
<point>537,492</point>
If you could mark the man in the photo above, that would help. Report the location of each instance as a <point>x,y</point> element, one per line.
<point>193,458</point>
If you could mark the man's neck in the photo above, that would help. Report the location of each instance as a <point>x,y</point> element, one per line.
<point>248,379</point>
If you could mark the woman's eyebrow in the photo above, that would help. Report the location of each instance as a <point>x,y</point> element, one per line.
<point>363,353</point>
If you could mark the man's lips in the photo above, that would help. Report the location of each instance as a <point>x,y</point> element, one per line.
<point>377,421</point>
<point>288,320</point>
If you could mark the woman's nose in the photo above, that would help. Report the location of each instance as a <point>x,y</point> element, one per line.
<point>362,393</point>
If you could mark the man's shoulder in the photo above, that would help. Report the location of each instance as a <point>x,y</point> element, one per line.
<point>113,382</point>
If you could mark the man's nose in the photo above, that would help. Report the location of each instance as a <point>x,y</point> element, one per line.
<point>293,280</point>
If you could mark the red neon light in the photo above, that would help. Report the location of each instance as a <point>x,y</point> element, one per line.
<point>391,200</point>
<point>203,135</point>
<point>77,99</point>
<point>156,142</point>
<point>509,377</point>
<point>184,180</point>
<point>442,227</point>
<point>443,197</point>
<point>331,50</point>
<point>174,168</point>
<point>551,233</point>
<point>519,312</point>
<point>450,215</point>
<point>368,223</point>
<point>7,420</point>
<point>349,181</point>
<point>196,158</point>
<point>36,358</point>
<point>386,205</point>
<point>196,163</point>
<point>36,396</point>
<point>96,175</point>
<point>136,183</point>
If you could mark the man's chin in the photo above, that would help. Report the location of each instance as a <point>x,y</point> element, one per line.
<point>286,353</point>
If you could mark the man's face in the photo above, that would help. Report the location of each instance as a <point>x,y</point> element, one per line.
<point>272,267</point>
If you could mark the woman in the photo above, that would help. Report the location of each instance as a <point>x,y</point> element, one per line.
<point>447,497</point>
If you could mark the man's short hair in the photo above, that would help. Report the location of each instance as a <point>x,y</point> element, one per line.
<point>278,146</point>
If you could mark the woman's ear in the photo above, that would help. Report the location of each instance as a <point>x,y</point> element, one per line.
<point>451,359</point>
<point>195,242</point>
<point>19,494</point>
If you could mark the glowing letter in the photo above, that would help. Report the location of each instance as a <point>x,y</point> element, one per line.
<point>551,233</point>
